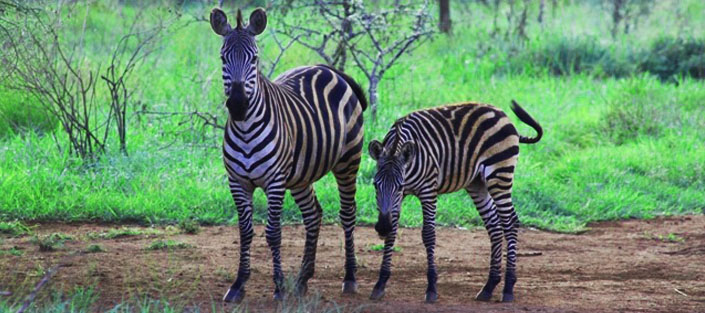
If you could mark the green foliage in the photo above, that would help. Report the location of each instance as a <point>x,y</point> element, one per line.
<point>668,57</point>
<point>619,142</point>
<point>50,242</point>
<point>167,245</point>
<point>16,251</point>
<point>124,232</point>
<point>380,247</point>
<point>14,228</point>
<point>189,226</point>
<point>94,249</point>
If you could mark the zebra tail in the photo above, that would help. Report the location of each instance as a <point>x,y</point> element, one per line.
<point>528,120</point>
<point>355,87</point>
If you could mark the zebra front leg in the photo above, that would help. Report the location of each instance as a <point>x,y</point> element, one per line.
<point>348,208</point>
<point>273,232</point>
<point>243,201</point>
<point>488,211</point>
<point>386,269</point>
<point>428,234</point>
<point>311,212</point>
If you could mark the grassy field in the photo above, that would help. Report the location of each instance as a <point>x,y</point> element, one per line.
<point>620,141</point>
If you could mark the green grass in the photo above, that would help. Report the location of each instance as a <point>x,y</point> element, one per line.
<point>380,247</point>
<point>619,142</point>
<point>124,232</point>
<point>94,249</point>
<point>51,242</point>
<point>167,245</point>
<point>14,228</point>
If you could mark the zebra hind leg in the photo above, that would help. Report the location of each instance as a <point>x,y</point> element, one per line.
<point>502,194</point>
<point>346,180</point>
<point>488,211</point>
<point>312,214</point>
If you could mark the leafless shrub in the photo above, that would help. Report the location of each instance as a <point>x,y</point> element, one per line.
<point>374,38</point>
<point>41,59</point>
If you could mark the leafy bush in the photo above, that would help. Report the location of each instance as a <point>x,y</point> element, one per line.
<point>566,56</point>
<point>669,57</point>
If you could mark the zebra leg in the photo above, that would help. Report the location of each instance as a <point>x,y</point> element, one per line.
<point>428,234</point>
<point>346,189</point>
<point>273,233</point>
<point>312,213</point>
<point>386,269</point>
<point>502,195</point>
<point>243,201</point>
<point>488,211</point>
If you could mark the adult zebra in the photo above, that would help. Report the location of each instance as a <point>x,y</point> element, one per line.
<point>287,134</point>
<point>440,150</point>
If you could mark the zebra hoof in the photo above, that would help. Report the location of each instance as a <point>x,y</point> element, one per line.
<point>278,295</point>
<point>431,297</point>
<point>483,296</point>
<point>349,287</point>
<point>234,296</point>
<point>377,294</point>
<point>301,289</point>
<point>507,297</point>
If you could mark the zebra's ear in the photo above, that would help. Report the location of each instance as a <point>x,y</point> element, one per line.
<point>258,21</point>
<point>407,151</point>
<point>375,148</point>
<point>219,22</point>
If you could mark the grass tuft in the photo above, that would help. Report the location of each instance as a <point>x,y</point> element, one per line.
<point>189,226</point>
<point>167,245</point>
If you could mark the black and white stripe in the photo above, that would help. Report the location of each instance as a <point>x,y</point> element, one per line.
<point>469,146</point>
<point>287,134</point>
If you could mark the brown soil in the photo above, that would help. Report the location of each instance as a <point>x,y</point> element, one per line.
<point>615,266</point>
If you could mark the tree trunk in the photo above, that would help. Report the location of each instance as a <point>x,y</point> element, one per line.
<point>444,23</point>
<point>372,90</point>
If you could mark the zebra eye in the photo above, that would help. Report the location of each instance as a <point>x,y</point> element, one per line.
<point>254,60</point>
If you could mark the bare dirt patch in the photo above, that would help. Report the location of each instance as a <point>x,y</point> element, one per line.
<point>648,266</point>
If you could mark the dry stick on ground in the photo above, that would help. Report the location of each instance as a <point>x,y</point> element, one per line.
<point>40,284</point>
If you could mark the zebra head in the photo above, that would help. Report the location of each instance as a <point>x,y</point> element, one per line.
<point>239,56</point>
<point>389,180</point>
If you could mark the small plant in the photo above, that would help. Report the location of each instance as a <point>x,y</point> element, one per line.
<point>14,228</point>
<point>94,249</point>
<point>124,232</point>
<point>380,247</point>
<point>189,226</point>
<point>670,237</point>
<point>15,251</point>
<point>50,242</point>
<point>167,245</point>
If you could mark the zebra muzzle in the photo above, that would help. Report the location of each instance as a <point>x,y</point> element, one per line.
<point>383,225</point>
<point>237,102</point>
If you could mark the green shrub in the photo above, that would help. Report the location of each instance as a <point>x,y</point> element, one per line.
<point>565,56</point>
<point>668,57</point>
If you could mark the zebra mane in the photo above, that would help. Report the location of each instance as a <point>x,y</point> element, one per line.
<point>239,19</point>
<point>397,130</point>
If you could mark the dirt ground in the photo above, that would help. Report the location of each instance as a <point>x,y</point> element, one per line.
<point>614,267</point>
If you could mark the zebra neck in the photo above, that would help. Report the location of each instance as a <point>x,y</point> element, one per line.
<point>259,110</point>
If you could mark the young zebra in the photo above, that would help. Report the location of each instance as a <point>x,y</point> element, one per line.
<point>441,150</point>
<point>287,134</point>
